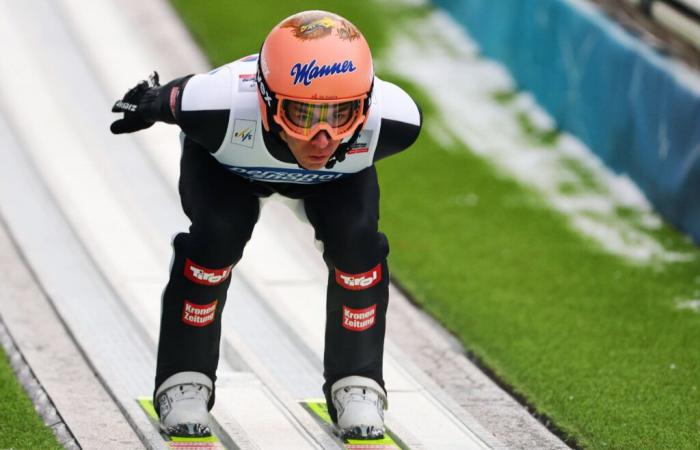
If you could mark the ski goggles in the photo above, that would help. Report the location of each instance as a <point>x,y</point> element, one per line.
<point>302,120</point>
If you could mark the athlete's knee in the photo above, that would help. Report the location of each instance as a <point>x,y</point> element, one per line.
<point>220,233</point>
<point>356,248</point>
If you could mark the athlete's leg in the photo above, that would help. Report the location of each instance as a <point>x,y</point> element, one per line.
<point>345,216</point>
<point>223,209</point>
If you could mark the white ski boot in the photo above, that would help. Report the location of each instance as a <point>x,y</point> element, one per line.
<point>360,403</point>
<point>182,399</point>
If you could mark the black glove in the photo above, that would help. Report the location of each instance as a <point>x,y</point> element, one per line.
<point>130,105</point>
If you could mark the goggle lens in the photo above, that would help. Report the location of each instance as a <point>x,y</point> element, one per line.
<point>303,117</point>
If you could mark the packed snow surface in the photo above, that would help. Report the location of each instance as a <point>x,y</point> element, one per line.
<point>464,86</point>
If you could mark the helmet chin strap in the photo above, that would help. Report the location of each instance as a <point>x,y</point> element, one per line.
<point>342,150</point>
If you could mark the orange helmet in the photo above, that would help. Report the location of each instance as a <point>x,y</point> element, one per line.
<point>315,73</point>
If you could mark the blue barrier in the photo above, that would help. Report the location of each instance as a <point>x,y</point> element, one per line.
<point>639,112</point>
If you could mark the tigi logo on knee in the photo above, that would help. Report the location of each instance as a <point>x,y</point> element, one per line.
<point>198,315</point>
<point>359,319</point>
<point>202,275</point>
<point>359,281</point>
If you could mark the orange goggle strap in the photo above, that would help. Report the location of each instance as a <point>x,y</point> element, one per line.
<point>271,105</point>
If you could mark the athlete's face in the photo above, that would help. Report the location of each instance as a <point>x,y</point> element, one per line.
<point>312,154</point>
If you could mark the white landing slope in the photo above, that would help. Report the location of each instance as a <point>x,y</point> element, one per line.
<point>92,214</point>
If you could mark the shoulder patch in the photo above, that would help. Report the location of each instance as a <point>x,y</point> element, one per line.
<point>243,132</point>
<point>246,82</point>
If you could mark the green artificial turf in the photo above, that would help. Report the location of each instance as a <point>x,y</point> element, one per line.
<point>591,341</point>
<point>227,31</point>
<point>20,426</point>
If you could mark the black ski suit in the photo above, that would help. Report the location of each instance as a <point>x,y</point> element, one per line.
<point>228,163</point>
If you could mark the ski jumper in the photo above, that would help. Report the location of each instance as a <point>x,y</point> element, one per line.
<point>228,163</point>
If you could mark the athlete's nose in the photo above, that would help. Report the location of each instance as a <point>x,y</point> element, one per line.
<point>321,139</point>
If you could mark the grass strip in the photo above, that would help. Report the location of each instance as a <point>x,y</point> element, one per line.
<point>601,346</point>
<point>20,426</point>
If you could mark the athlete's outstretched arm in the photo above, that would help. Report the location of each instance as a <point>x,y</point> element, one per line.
<point>199,104</point>
<point>146,103</point>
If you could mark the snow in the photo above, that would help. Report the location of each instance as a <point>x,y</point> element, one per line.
<point>604,206</point>
<point>692,305</point>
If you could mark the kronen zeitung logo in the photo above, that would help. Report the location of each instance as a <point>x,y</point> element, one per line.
<point>198,315</point>
<point>359,319</point>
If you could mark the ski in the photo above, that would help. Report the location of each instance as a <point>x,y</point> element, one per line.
<point>319,409</point>
<point>178,443</point>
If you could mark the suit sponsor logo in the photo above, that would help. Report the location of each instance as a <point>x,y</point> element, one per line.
<point>246,82</point>
<point>354,150</point>
<point>362,143</point>
<point>359,319</point>
<point>202,275</point>
<point>359,281</point>
<point>243,132</point>
<point>285,175</point>
<point>199,315</point>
